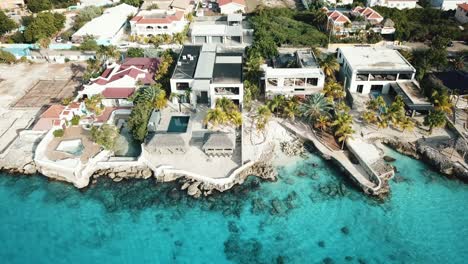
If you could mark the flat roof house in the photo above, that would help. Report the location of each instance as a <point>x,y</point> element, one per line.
<point>293,74</point>
<point>84,3</point>
<point>108,27</point>
<point>231,6</point>
<point>205,73</point>
<point>224,30</point>
<point>156,22</point>
<point>376,71</point>
<point>400,4</point>
<point>447,4</point>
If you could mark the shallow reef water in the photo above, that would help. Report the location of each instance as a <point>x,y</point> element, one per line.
<point>312,214</point>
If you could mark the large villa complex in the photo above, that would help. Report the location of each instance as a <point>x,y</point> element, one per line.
<point>205,73</point>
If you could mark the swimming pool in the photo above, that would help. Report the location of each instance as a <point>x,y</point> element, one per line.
<point>178,124</point>
<point>73,147</point>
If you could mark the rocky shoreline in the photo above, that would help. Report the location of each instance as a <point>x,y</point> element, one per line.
<point>421,150</point>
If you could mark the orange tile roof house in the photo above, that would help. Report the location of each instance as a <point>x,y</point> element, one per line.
<point>157,22</point>
<point>337,22</point>
<point>49,118</point>
<point>369,14</point>
<point>231,6</point>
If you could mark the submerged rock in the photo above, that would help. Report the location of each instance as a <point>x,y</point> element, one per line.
<point>349,258</point>
<point>328,260</point>
<point>321,243</point>
<point>278,206</point>
<point>345,230</point>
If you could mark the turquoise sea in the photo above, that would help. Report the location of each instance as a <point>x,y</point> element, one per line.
<point>319,217</point>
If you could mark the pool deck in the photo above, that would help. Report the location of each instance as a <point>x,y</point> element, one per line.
<point>194,160</point>
<point>71,133</point>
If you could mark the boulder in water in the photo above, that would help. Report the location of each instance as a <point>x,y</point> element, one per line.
<point>345,230</point>
<point>389,159</point>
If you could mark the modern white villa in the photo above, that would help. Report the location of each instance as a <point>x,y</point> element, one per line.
<point>156,22</point>
<point>447,4</point>
<point>107,28</point>
<point>206,72</point>
<point>400,4</point>
<point>365,69</point>
<point>381,72</point>
<point>293,74</point>
<point>226,30</point>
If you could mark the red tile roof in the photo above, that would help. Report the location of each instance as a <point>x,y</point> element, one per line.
<point>167,19</point>
<point>131,67</point>
<point>463,6</point>
<point>337,16</point>
<point>117,93</point>
<point>225,2</point>
<point>74,105</point>
<point>367,12</point>
<point>53,111</point>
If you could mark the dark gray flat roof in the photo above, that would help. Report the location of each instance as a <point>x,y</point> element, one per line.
<point>185,68</point>
<point>227,73</point>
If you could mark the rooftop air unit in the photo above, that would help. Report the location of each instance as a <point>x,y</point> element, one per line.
<point>184,57</point>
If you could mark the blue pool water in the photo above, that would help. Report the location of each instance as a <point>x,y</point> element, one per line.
<point>424,221</point>
<point>178,124</point>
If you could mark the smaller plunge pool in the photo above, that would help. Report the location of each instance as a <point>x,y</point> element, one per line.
<point>178,124</point>
<point>73,147</point>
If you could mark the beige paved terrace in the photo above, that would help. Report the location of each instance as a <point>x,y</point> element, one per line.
<point>71,133</point>
<point>194,160</point>
<point>14,86</point>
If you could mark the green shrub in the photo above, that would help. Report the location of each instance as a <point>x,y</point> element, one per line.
<point>58,133</point>
<point>105,135</point>
<point>66,101</point>
<point>75,120</point>
<point>67,60</point>
<point>7,57</point>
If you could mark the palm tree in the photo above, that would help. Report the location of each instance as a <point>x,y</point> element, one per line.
<point>252,66</point>
<point>322,123</point>
<point>442,102</point>
<point>341,120</point>
<point>329,66</point>
<point>372,105</point>
<point>291,108</point>
<point>334,90</point>
<point>381,102</point>
<point>315,106</point>
<point>458,63</point>
<point>156,40</point>
<point>215,117</point>
<point>343,133</point>
<point>179,38</point>
<point>435,119</point>
<point>226,104</point>
<point>316,51</point>
<point>369,117</point>
<point>230,110</point>
<point>276,103</point>
<point>235,118</point>
<point>107,52</point>
<point>407,124</point>
<point>260,120</point>
<point>166,38</point>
